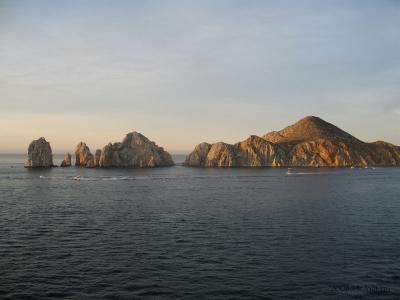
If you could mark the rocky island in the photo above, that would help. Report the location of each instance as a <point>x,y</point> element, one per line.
<point>66,161</point>
<point>311,142</point>
<point>39,154</point>
<point>135,151</point>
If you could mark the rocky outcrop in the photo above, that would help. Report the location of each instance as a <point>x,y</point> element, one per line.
<point>198,158</point>
<point>39,154</point>
<point>83,157</point>
<point>96,158</point>
<point>135,151</point>
<point>252,152</point>
<point>311,142</point>
<point>66,161</point>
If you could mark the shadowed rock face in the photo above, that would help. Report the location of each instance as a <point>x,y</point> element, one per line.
<point>39,154</point>
<point>66,161</point>
<point>96,158</point>
<point>135,151</point>
<point>198,158</point>
<point>311,142</point>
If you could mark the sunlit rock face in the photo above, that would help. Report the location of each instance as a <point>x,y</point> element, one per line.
<point>135,151</point>
<point>66,161</point>
<point>39,154</point>
<point>83,156</point>
<point>311,142</point>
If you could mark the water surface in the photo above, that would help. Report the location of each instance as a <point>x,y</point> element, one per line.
<point>199,233</point>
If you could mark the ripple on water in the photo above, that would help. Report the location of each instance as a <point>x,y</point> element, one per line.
<point>182,233</point>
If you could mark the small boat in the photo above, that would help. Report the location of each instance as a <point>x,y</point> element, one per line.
<point>77,177</point>
<point>352,167</point>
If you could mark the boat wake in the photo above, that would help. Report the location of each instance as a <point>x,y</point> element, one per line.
<point>302,173</point>
<point>107,178</point>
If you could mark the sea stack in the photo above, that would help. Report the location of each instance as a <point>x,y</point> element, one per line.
<point>83,157</point>
<point>66,161</point>
<point>135,151</point>
<point>39,154</point>
<point>96,158</point>
<point>311,142</point>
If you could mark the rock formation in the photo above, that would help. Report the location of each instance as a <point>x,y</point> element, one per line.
<point>96,158</point>
<point>135,151</point>
<point>198,158</point>
<point>39,154</point>
<point>66,161</point>
<point>311,142</point>
<point>83,157</point>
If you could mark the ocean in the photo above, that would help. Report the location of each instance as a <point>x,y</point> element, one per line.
<point>196,233</point>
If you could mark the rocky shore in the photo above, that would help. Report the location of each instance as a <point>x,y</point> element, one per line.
<point>311,142</point>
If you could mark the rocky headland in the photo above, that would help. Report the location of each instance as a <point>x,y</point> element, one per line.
<point>39,154</point>
<point>311,142</point>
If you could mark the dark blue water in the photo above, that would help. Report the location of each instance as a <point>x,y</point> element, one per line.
<point>186,233</point>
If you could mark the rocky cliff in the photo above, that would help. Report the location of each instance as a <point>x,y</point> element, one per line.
<point>96,158</point>
<point>311,142</point>
<point>135,151</point>
<point>83,156</point>
<point>39,154</point>
<point>66,161</point>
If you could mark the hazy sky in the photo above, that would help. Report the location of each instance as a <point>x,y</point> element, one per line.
<point>183,72</point>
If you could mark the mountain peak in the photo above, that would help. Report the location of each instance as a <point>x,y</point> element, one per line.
<point>310,142</point>
<point>312,119</point>
<point>308,129</point>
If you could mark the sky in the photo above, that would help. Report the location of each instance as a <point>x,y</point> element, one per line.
<point>184,72</point>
